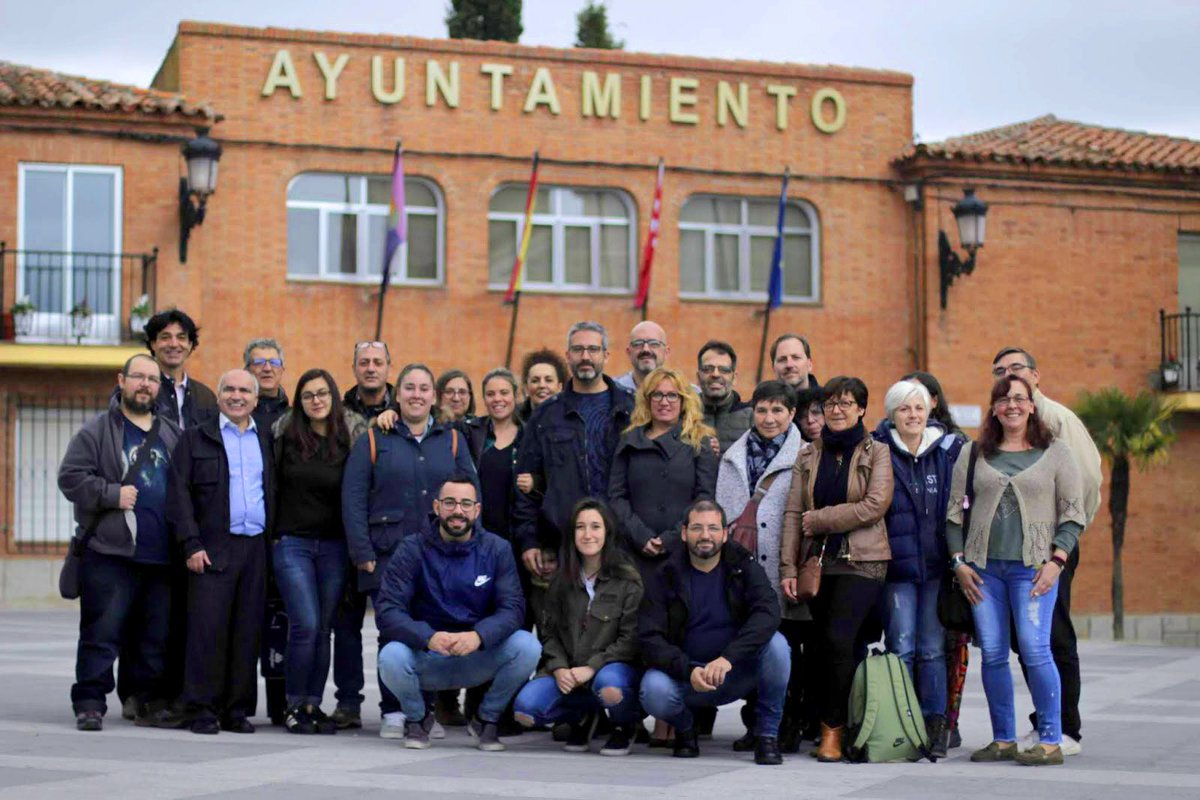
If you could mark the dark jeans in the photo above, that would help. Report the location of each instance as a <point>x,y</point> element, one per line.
<point>121,602</point>
<point>840,611</point>
<point>348,645</point>
<point>225,614</point>
<point>1064,647</point>
<point>311,574</point>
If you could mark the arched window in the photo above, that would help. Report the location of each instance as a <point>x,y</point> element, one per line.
<point>337,229</point>
<point>582,240</point>
<point>726,245</point>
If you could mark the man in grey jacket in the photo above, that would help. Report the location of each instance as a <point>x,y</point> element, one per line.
<point>124,577</point>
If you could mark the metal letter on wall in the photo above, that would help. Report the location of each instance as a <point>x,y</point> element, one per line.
<point>330,72</point>
<point>282,75</point>
<point>541,92</point>
<point>397,92</point>
<point>599,102</point>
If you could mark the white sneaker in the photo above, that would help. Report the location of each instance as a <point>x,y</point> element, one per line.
<point>1031,739</point>
<point>437,731</point>
<point>1070,747</point>
<point>393,725</point>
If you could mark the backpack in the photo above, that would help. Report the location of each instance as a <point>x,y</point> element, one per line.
<point>884,721</point>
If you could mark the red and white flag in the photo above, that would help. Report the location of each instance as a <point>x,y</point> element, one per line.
<point>643,291</point>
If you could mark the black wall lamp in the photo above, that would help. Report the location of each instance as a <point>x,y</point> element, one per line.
<point>201,155</point>
<point>971,215</point>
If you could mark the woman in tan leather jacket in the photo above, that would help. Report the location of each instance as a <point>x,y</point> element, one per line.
<point>841,489</point>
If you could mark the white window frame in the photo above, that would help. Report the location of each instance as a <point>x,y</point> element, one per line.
<point>558,223</point>
<point>744,231</point>
<point>47,324</point>
<point>363,211</point>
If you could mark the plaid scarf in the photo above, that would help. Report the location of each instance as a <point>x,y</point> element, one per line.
<point>760,453</point>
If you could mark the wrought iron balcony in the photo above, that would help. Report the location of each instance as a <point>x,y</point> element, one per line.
<point>76,298</point>
<point>1180,361</point>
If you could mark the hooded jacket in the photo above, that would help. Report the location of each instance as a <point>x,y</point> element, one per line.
<point>580,631</point>
<point>91,473</point>
<point>433,585</point>
<point>916,519</point>
<point>666,606</point>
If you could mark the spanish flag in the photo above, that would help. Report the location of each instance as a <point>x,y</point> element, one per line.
<point>518,270</point>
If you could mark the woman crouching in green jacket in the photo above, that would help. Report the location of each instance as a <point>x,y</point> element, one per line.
<point>589,639</point>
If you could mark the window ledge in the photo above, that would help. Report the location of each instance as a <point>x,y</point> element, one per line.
<point>567,290</point>
<point>67,356</point>
<point>689,297</point>
<point>365,282</point>
<point>1184,401</point>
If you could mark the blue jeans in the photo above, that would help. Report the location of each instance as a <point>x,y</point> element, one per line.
<point>120,601</point>
<point>911,620</point>
<point>1006,586</point>
<point>310,574</point>
<point>544,704</point>
<point>668,699</point>
<point>408,673</point>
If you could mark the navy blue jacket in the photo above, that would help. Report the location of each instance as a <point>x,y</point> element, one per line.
<point>384,502</point>
<point>432,585</point>
<point>554,450</point>
<point>916,520</point>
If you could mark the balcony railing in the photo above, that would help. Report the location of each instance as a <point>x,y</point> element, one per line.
<point>1180,364</point>
<point>77,298</point>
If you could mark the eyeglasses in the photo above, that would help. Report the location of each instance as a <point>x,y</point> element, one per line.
<point>362,345</point>
<point>137,377</point>
<point>319,394</point>
<point>591,349</point>
<point>654,344</point>
<point>452,503</point>
<point>258,362</point>
<point>1011,400</point>
<point>844,405</point>
<point>1011,369</point>
<point>665,397</point>
<point>713,369</point>
<point>456,392</point>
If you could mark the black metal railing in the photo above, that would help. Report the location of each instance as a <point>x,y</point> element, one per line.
<point>36,516</point>
<point>76,297</point>
<point>1180,365</point>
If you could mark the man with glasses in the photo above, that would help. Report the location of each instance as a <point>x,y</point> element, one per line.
<point>450,610</point>
<point>372,394</point>
<point>647,351</point>
<point>568,448</point>
<point>264,360</point>
<point>115,473</point>
<point>1065,425</point>
<point>724,411</point>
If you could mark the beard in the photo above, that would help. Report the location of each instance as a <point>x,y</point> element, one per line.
<point>704,549</point>
<point>132,404</point>
<point>584,371</point>
<point>458,533</point>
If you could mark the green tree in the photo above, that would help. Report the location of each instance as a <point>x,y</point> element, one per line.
<point>498,20</point>
<point>592,28</point>
<point>1126,430</point>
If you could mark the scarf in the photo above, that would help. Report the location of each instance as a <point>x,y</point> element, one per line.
<point>833,472</point>
<point>760,453</point>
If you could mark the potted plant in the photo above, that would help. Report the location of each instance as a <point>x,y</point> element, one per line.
<point>81,320</point>
<point>22,313</point>
<point>1171,370</point>
<point>139,315</point>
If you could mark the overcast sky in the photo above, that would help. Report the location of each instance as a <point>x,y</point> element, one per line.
<point>977,64</point>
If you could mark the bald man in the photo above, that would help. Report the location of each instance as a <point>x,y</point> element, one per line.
<point>647,350</point>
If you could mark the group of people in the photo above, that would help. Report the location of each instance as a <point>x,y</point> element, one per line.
<point>586,553</point>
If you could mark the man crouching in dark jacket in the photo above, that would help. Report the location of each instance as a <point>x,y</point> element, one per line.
<point>450,610</point>
<point>708,631</point>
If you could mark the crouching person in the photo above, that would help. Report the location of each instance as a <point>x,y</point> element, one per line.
<point>450,611</point>
<point>589,639</point>
<point>708,632</point>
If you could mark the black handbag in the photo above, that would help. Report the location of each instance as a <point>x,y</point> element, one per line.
<point>68,576</point>
<point>953,607</point>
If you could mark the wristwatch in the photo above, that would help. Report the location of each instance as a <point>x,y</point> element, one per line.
<point>1057,559</point>
<point>957,561</point>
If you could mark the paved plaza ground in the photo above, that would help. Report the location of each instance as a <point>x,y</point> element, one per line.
<point>1141,712</point>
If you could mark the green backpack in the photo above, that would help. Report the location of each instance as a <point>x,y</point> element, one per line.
<point>884,722</point>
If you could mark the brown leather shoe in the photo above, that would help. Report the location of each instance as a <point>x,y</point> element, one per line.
<point>830,748</point>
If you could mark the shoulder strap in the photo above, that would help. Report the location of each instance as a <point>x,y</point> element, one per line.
<point>764,486</point>
<point>143,456</point>
<point>371,439</point>
<point>901,685</point>
<point>970,488</point>
<point>454,443</point>
<point>870,707</point>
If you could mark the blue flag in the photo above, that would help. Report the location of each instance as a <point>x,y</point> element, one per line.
<point>775,285</point>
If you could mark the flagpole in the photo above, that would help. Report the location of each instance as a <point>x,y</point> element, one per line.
<point>517,279</point>
<point>386,279</point>
<point>644,272</point>
<point>774,292</point>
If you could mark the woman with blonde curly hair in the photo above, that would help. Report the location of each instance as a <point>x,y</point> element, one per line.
<point>664,461</point>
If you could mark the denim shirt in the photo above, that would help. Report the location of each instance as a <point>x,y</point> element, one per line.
<point>247,506</point>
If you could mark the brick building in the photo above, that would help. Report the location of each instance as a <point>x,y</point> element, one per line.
<point>1088,233</point>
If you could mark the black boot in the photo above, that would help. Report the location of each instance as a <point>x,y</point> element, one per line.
<point>686,744</point>
<point>939,736</point>
<point>766,752</point>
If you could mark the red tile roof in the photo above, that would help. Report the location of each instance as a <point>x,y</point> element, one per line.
<point>1049,140</point>
<point>28,86</point>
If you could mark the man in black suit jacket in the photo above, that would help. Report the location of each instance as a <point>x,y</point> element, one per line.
<point>220,508</point>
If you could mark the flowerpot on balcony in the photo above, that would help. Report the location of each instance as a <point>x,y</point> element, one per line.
<point>139,315</point>
<point>81,321</point>
<point>1171,371</point>
<point>22,323</point>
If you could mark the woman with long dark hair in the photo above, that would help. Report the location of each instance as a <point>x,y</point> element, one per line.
<point>589,638</point>
<point>1026,516</point>
<point>309,554</point>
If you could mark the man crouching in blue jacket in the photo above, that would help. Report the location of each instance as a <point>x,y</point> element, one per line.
<point>450,610</point>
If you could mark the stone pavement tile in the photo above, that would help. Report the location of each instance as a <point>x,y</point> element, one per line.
<point>650,771</point>
<point>1025,788</point>
<point>307,791</point>
<point>16,777</point>
<point>146,746</point>
<point>1187,690</point>
<point>28,697</point>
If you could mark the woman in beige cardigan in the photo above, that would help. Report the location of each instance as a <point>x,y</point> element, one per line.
<point>841,489</point>
<point>1026,517</point>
